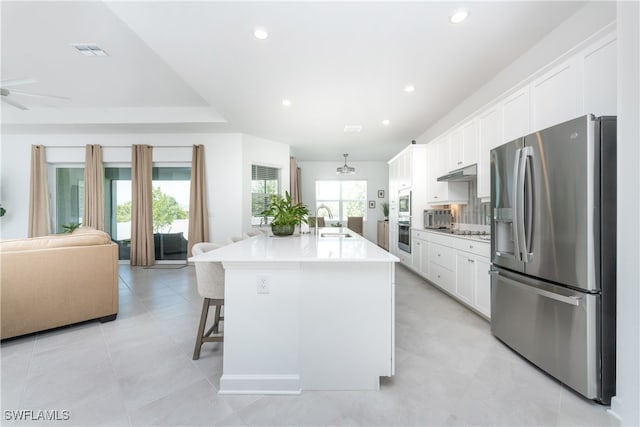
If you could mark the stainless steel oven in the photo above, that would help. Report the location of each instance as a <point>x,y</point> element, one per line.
<point>404,204</point>
<point>404,234</point>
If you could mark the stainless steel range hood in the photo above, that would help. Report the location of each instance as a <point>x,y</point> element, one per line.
<point>468,173</point>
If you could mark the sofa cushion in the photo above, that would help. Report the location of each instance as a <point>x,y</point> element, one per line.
<point>80,237</point>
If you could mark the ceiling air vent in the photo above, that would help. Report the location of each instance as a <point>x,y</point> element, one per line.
<point>352,128</point>
<point>90,49</point>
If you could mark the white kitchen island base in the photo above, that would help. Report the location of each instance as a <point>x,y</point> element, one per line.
<point>321,320</point>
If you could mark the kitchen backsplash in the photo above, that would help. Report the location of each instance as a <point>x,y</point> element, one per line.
<point>475,212</point>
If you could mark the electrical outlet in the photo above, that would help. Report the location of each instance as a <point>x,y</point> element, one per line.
<point>262,284</point>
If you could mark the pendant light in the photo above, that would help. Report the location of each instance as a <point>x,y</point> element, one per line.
<point>346,170</point>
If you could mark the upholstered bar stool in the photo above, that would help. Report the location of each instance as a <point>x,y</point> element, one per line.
<point>210,280</point>
<point>355,223</point>
<point>234,239</point>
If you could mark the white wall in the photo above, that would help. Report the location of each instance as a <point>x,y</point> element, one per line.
<point>572,32</point>
<point>626,404</point>
<point>258,151</point>
<point>375,173</point>
<point>226,157</point>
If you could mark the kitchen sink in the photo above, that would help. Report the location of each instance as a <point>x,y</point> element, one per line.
<point>336,234</point>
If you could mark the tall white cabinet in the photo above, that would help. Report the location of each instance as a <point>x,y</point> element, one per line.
<point>407,172</point>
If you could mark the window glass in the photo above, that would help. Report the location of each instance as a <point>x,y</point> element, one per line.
<point>342,198</point>
<point>265,181</point>
<point>69,197</point>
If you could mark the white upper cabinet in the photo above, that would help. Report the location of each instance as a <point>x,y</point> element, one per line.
<point>441,193</point>
<point>463,146</point>
<point>515,115</point>
<point>470,143</point>
<point>456,151</point>
<point>490,137</point>
<point>554,96</point>
<point>599,67</point>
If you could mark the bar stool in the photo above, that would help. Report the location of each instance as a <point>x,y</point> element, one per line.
<point>210,281</point>
<point>234,239</point>
<point>355,223</point>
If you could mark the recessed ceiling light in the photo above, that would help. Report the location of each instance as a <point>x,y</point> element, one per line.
<point>286,103</point>
<point>386,122</point>
<point>409,88</point>
<point>89,49</point>
<point>459,15</point>
<point>260,33</point>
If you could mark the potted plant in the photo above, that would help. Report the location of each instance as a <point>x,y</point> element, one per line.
<point>285,215</point>
<point>69,228</point>
<point>385,210</point>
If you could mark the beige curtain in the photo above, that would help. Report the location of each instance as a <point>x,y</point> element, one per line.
<point>38,194</point>
<point>93,212</point>
<point>142,249</point>
<point>198,213</point>
<point>294,181</point>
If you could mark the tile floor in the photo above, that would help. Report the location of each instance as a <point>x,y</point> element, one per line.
<point>138,370</point>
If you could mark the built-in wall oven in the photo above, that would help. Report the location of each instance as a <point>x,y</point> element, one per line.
<point>404,220</point>
<point>404,204</point>
<point>404,234</point>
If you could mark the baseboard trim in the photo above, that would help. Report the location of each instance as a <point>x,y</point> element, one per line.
<point>260,384</point>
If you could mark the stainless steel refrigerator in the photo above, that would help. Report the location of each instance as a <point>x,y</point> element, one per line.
<point>553,278</point>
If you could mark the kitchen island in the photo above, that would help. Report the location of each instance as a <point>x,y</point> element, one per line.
<point>306,312</point>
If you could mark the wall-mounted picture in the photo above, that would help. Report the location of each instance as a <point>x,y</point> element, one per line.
<point>372,204</point>
<point>380,194</point>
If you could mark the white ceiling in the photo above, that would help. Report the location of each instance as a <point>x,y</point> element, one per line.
<point>195,66</point>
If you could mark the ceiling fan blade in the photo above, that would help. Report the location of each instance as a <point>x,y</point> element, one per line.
<point>38,95</point>
<point>14,103</point>
<point>16,82</point>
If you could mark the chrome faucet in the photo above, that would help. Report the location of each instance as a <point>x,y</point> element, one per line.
<point>322,206</point>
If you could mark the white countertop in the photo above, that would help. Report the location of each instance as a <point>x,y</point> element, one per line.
<point>301,248</point>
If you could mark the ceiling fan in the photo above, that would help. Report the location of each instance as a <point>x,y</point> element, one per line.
<point>7,95</point>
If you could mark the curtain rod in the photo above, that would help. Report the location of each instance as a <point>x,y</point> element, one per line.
<point>117,146</point>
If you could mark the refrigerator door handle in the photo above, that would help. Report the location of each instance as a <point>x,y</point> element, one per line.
<point>571,300</point>
<point>516,198</point>
<point>527,191</point>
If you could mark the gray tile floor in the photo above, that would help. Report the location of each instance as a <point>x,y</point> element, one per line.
<point>138,370</point>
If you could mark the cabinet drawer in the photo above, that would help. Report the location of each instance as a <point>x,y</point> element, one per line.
<point>419,234</point>
<point>442,277</point>
<point>482,249</point>
<point>443,255</point>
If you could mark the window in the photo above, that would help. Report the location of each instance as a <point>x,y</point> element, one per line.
<point>343,198</point>
<point>170,196</point>
<point>265,181</point>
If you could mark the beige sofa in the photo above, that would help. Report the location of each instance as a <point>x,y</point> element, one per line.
<point>58,280</point>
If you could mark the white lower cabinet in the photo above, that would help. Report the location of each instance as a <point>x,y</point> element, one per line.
<point>457,265</point>
<point>482,294</point>
<point>420,256</point>
<point>465,277</point>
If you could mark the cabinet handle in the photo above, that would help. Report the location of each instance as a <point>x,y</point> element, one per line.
<point>470,246</point>
<point>438,276</point>
<point>470,260</point>
<point>459,163</point>
<point>438,254</point>
<point>435,197</point>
